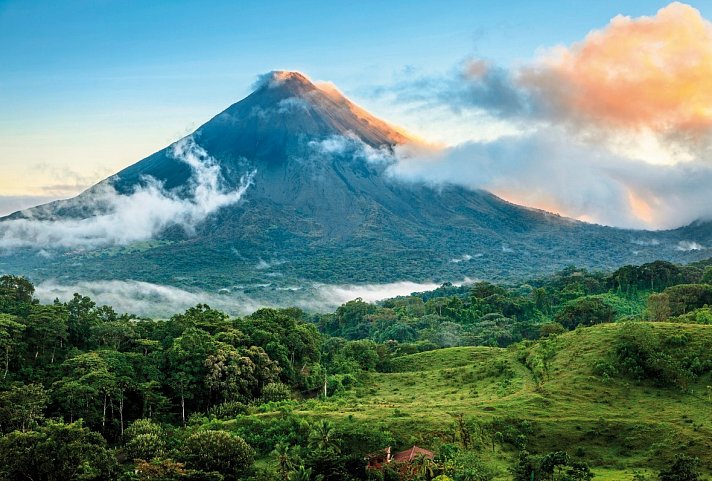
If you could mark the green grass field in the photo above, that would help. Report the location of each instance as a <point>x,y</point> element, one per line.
<point>616,425</point>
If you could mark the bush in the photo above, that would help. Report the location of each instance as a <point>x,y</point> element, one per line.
<point>142,426</point>
<point>218,451</point>
<point>145,446</point>
<point>586,311</point>
<point>228,410</point>
<point>644,353</point>
<point>275,392</point>
<point>683,468</point>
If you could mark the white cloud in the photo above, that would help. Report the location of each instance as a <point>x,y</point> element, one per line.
<point>550,170</point>
<point>687,246</point>
<point>155,300</point>
<point>353,147</point>
<point>141,215</point>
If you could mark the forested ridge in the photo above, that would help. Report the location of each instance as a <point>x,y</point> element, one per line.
<point>89,393</point>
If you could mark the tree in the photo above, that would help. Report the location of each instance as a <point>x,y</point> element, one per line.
<point>687,297</point>
<point>578,471</point>
<point>55,452</point>
<point>115,334</point>
<point>46,330</point>
<point>144,440</point>
<point>287,458</point>
<point>304,474</point>
<point>81,317</point>
<point>187,367</point>
<point>85,389</point>
<point>22,407</point>
<point>707,276</point>
<point>275,391</point>
<point>683,468</point>
<point>10,339</point>
<point>218,451</point>
<point>364,352</point>
<point>202,317</point>
<point>658,307</point>
<point>552,463</point>
<point>160,469</point>
<point>551,329</point>
<point>323,438</point>
<point>586,311</point>
<point>121,368</point>
<point>239,374</point>
<point>16,295</point>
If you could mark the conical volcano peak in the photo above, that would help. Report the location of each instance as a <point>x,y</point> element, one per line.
<point>292,82</point>
<point>279,122</point>
<point>286,107</point>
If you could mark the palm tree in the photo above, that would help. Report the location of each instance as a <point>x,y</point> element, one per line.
<point>304,474</point>
<point>423,466</point>
<point>281,451</point>
<point>323,437</point>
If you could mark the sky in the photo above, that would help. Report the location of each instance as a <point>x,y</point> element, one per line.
<point>90,87</point>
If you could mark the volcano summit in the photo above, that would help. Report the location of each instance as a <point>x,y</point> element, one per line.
<point>292,185</point>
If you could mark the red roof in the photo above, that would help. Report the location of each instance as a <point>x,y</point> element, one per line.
<point>410,454</point>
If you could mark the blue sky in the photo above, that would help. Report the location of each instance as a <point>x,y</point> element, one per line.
<point>88,87</point>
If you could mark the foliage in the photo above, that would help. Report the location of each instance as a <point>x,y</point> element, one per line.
<point>683,468</point>
<point>218,451</point>
<point>201,395</point>
<point>55,451</point>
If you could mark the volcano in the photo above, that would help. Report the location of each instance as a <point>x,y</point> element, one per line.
<point>321,206</point>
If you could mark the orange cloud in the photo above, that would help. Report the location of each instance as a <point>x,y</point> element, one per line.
<point>641,73</point>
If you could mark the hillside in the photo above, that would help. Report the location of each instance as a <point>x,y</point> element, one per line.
<point>619,426</point>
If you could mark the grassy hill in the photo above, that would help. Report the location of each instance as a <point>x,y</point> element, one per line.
<point>616,424</point>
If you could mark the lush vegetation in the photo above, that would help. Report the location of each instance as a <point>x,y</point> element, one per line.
<point>564,378</point>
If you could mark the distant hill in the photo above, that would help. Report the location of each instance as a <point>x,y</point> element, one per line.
<point>322,208</point>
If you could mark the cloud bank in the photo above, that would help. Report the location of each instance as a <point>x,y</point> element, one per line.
<point>549,170</point>
<point>615,129</point>
<point>122,219</point>
<point>155,300</point>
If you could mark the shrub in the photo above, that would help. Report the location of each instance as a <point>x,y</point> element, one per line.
<point>683,468</point>
<point>275,392</point>
<point>586,311</point>
<point>145,446</point>
<point>143,426</point>
<point>228,410</point>
<point>218,451</point>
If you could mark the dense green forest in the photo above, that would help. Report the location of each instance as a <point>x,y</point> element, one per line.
<point>568,377</point>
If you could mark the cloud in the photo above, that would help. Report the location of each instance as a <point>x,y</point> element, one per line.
<point>275,78</point>
<point>142,298</point>
<point>687,246</point>
<point>646,77</point>
<point>614,129</point>
<point>647,73</point>
<point>121,219</point>
<point>352,147</point>
<point>155,300</point>
<point>552,171</point>
<point>463,258</point>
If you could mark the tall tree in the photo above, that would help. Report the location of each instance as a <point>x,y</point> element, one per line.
<point>186,361</point>
<point>10,339</point>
